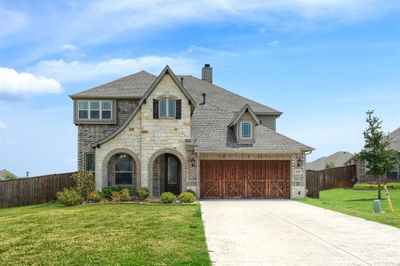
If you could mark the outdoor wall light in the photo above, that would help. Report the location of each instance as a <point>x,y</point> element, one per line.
<point>192,161</point>
<point>299,161</point>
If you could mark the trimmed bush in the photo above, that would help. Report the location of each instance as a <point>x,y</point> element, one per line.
<point>187,197</point>
<point>116,196</point>
<point>94,197</point>
<point>125,195</point>
<point>69,197</point>
<point>106,192</point>
<point>168,197</point>
<point>142,193</point>
<point>374,186</point>
<point>191,191</point>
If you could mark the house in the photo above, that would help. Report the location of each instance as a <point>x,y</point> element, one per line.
<point>337,159</point>
<point>173,133</point>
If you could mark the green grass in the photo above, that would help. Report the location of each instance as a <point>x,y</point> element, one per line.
<point>103,234</point>
<point>359,203</point>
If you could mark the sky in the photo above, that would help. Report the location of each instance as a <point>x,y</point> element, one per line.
<point>323,63</point>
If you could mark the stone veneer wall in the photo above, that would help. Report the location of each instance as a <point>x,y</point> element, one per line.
<point>145,136</point>
<point>88,134</point>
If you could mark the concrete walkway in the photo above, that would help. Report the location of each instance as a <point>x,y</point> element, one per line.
<point>284,232</point>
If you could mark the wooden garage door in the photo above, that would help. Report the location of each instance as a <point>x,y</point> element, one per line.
<point>244,179</point>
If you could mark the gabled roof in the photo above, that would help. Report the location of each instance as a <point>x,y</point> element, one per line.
<point>211,133</point>
<point>246,108</point>
<point>130,87</point>
<point>166,71</point>
<point>339,158</point>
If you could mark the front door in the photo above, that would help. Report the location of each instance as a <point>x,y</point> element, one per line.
<point>172,174</point>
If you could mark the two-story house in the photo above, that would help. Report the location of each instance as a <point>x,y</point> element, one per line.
<point>172,133</point>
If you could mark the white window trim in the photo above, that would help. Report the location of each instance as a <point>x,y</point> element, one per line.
<point>100,110</point>
<point>167,99</point>
<point>251,129</point>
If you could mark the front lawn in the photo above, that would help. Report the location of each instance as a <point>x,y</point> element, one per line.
<point>103,234</point>
<point>359,203</point>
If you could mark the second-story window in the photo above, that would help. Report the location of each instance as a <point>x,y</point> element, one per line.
<point>167,108</point>
<point>94,110</point>
<point>246,130</point>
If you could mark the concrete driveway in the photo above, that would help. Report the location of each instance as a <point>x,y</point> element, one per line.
<point>285,232</point>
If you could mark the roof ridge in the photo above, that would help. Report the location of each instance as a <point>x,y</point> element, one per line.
<point>231,92</point>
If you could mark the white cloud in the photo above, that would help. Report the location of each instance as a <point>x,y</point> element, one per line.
<point>273,43</point>
<point>203,50</point>
<point>13,83</point>
<point>69,47</point>
<point>75,71</point>
<point>3,125</point>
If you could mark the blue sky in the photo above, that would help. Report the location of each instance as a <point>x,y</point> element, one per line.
<point>323,63</point>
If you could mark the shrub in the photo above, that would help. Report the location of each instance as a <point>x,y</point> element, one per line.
<point>69,197</point>
<point>187,197</point>
<point>142,193</point>
<point>94,197</point>
<point>84,182</point>
<point>106,192</point>
<point>168,197</point>
<point>116,196</point>
<point>374,186</point>
<point>191,191</point>
<point>125,195</point>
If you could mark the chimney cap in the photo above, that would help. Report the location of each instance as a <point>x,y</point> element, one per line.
<point>206,65</point>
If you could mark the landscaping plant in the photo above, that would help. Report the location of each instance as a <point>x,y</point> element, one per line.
<point>69,197</point>
<point>106,192</point>
<point>94,197</point>
<point>142,193</point>
<point>84,182</point>
<point>168,197</point>
<point>377,152</point>
<point>187,197</point>
<point>191,191</point>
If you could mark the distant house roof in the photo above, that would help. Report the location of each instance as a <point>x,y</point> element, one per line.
<point>395,139</point>
<point>338,159</point>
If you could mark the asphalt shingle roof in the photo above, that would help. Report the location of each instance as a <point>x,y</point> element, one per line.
<point>132,86</point>
<point>211,132</point>
<point>210,123</point>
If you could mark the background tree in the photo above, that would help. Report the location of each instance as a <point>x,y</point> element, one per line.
<point>329,165</point>
<point>9,176</point>
<point>376,152</point>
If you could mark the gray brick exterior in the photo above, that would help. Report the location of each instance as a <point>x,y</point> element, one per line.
<point>89,133</point>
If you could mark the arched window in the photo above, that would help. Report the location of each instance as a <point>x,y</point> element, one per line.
<point>167,108</point>
<point>123,169</point>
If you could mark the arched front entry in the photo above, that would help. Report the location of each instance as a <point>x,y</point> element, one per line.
<point>167,173</point>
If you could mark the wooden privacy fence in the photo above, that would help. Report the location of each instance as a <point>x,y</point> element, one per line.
<point>338,177</point>
<point>33,190</point>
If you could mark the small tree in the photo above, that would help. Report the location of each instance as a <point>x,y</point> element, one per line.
<point>84,182</point>
<point>329,165</point>
<point>376,152</point>
<point>9,176</point>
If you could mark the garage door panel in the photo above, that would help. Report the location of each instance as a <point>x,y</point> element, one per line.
<point>244,179</point>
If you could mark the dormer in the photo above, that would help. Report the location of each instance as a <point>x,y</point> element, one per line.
<point>243,124</point>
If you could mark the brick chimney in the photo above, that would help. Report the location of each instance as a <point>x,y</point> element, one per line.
<point>206,73</point>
